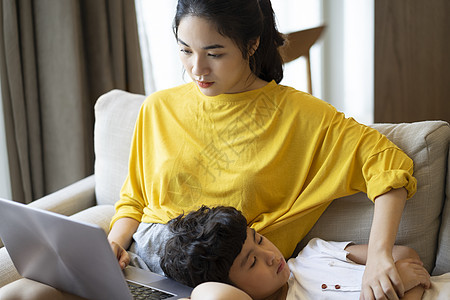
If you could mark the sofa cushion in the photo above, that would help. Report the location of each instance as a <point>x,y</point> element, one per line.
<point>8,272</point>
<point>350,218</point>
<point>100,215</point>
<point>115,117</point>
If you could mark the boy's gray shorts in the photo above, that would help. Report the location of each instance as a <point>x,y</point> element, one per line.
<point>147,242</point>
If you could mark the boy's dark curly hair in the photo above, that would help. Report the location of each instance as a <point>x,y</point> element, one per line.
<point>204,245</point>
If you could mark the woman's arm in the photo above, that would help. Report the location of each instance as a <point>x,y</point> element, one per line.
<point>381,279</point>
<point>120,238</point>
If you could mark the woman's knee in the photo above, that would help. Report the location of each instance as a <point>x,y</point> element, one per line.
<point>26,289</point>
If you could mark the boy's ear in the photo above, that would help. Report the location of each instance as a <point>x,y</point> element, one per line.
<point>253,46</point>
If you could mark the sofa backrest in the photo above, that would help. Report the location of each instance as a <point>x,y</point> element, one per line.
<point>115,117</point>
<point>443,252</point>
<point>347,218</point>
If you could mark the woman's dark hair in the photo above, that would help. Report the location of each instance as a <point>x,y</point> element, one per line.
<point>243,21</point>
<point>204,245</point>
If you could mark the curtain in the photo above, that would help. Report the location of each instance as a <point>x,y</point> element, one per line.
<point>56,59</point>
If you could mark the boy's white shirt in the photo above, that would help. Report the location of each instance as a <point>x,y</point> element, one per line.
<point>440,288</point>
<point>322,271</point>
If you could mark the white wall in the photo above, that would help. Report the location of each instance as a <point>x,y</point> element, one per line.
<point>348,74</point>
<point>5,182</point>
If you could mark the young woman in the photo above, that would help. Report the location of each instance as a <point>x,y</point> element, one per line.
<point>234,136</point>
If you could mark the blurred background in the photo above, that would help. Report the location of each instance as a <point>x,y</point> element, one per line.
<point>377,61</point>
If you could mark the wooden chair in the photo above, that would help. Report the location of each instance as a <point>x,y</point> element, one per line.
<point>299,44</point>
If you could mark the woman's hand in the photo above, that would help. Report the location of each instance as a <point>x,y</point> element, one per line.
<point>120,238</point>
<point>381,279</point>
<point>122,255</point>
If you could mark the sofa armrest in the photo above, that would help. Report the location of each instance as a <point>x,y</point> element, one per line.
<point>8,272</point>
<point>71,199</point>
<point>68,201</point>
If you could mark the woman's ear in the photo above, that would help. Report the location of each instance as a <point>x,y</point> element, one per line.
<point>253,46</point>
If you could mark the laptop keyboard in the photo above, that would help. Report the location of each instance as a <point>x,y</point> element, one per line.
<point>144,292</point>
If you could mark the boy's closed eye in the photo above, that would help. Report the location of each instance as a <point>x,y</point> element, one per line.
<point>261,238</point>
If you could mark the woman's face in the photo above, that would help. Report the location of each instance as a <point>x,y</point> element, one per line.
<point>213,61</point>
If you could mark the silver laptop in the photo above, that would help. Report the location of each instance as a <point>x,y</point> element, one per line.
<point>74,257</point>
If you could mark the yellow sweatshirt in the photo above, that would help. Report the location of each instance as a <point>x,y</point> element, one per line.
<point>277,154</point>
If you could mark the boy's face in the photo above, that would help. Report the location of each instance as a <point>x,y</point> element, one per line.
<point>260,269</point>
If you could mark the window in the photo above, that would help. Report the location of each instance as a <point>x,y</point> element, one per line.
<point>5,181</point>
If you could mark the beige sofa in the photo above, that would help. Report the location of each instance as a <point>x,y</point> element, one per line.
<point>425,225</point>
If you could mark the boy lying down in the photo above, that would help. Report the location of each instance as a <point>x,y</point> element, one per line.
<point>213,250</point>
